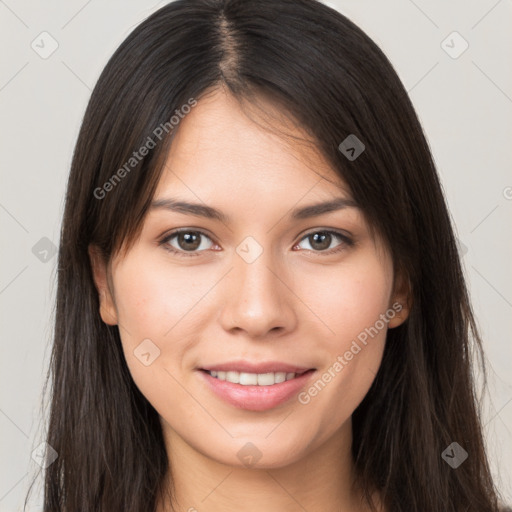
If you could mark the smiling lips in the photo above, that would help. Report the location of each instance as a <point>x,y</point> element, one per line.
<point>255,387</point>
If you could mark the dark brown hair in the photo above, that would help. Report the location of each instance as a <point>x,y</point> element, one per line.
<point>335,81</point>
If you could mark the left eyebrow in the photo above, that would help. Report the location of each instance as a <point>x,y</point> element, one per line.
<point>201,210</point>
<point>318,209</point>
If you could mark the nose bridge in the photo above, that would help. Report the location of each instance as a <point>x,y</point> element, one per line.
<point>257,300</point>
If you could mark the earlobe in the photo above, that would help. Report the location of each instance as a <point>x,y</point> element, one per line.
<point>108,310</point>
<point>401,301</point>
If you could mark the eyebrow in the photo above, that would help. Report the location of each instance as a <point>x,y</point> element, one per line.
<point>209,212</point>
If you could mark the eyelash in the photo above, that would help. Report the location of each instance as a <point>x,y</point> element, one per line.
<point>346,242</point>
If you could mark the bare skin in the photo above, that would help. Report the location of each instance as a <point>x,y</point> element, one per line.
<point>297,302</point>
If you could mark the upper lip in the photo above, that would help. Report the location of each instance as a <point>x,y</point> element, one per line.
<point>249,367</point>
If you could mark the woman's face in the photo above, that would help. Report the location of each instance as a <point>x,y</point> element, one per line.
<point>270,282</point>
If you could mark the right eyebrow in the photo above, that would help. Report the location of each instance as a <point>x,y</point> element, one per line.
<point>197,209</point>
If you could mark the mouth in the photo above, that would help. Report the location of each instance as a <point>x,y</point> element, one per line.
<point>255,379</point>
<point>256,391</point>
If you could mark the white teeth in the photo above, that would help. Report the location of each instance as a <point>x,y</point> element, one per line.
<point>233,377</point>
<point>279,377</point>
<point>266,379</point>
<point>246,379</point>
<point>253,379</point>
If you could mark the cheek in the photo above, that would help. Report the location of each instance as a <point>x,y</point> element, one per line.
<point>153,297</point>
<point>350,297</point>
<point>351,303</point>
<point>161,310</point>
<point>152,309</point>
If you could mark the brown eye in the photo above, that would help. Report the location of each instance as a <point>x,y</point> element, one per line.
<point>186,242</point>
<point>320,241</point>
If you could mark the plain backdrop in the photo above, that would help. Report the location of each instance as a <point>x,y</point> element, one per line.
<point>463,97</point>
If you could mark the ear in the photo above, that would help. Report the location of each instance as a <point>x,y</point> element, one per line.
<point>401,300</point>
<point>99,267</point>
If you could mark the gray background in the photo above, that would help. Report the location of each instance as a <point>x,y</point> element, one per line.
<point>464,103</point>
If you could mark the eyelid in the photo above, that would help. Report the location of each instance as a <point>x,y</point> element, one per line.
<point>340,232</point>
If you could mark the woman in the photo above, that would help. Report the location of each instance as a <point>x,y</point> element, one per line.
<point>260,301</point>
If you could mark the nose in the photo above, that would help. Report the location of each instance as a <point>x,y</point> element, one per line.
<point>258,298</point>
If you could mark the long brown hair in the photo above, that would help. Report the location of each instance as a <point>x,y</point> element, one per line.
<point>335,82</point>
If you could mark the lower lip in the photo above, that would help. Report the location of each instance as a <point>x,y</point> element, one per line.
<point>256,398</point>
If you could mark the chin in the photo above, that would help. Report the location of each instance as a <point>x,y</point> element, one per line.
<point>252,453</point>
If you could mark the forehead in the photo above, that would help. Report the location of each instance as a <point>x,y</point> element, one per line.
<point>223,151</point>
